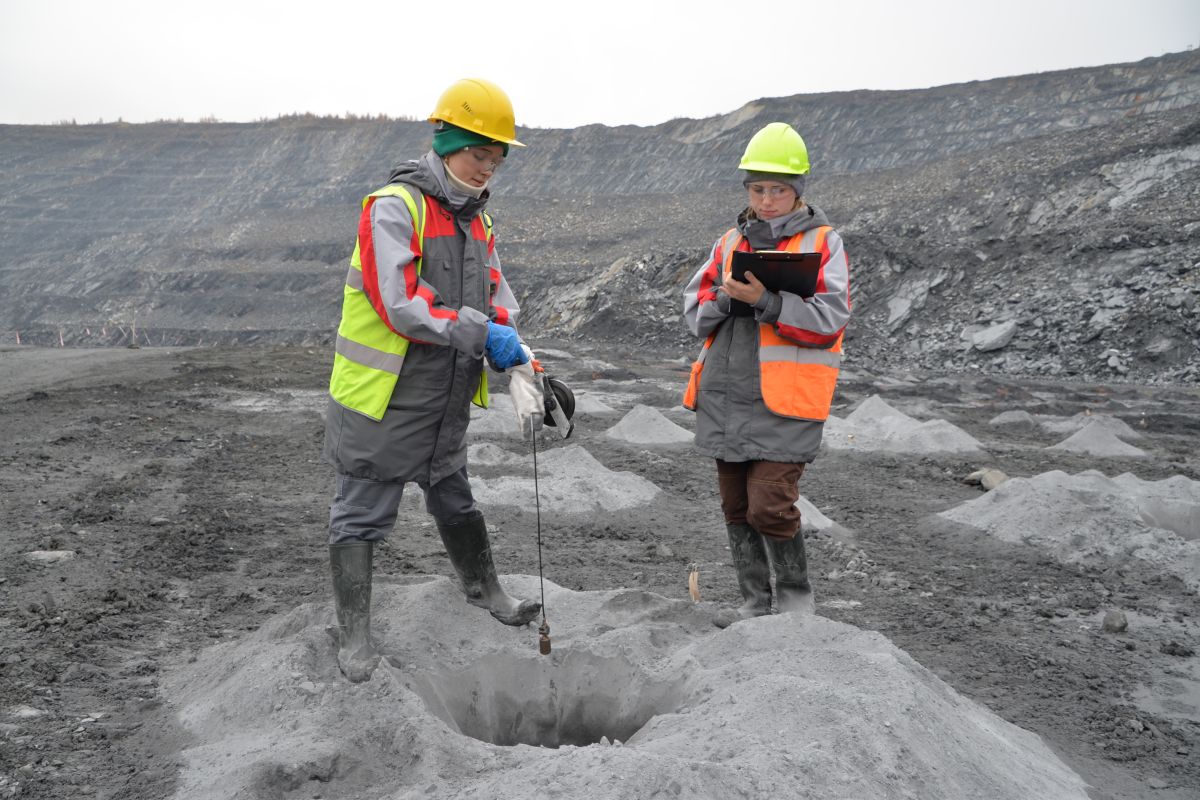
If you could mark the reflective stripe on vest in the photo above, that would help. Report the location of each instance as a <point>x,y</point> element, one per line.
<point>795,381</point>
<point>369,355</point>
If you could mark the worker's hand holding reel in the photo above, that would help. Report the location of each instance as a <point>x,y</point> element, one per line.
<point>539,399</point>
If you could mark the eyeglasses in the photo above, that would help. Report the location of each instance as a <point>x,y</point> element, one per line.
<point>485,161</point>
<point>774,192</point>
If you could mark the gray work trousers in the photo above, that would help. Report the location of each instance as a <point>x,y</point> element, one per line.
<point>365,510</point>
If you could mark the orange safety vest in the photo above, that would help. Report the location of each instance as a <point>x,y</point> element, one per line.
<point>796,381</point>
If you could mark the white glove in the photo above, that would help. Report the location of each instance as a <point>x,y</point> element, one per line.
<point>525,389</point>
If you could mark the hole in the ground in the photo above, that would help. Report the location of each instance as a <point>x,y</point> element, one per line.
<point>510,700</point>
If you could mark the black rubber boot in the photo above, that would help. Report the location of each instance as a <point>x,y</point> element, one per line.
<point>471,554</point>
<point>791,574</point>
<point>351,565</point>
<point>753,574</point>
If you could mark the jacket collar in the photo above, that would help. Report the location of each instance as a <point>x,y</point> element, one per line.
<point>769,234</point>
<point>428,174</point>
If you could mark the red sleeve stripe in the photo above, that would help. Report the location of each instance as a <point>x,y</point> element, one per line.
<point>370,272</point>
<point>411,276</point>
<point>707,293</point>
<point>437,312</point>
<point>808,337</point>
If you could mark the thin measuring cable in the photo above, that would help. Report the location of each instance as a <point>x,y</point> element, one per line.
<point>538,506</point>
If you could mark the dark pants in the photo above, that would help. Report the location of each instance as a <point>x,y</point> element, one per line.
<point>762,494</point>
<point>365,510</point>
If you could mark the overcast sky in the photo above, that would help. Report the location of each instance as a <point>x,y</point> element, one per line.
<point>564,64</point>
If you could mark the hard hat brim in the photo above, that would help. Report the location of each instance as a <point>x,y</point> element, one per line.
<point>766,166</point>
<point>437,120</point>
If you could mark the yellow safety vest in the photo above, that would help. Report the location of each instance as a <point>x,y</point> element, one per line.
<point>369,355</point>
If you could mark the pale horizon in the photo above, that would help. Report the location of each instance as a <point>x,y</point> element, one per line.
<point>564,66</point>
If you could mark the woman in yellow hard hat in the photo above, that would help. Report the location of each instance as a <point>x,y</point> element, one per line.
<point>764,381</point>
<point>424,305</point>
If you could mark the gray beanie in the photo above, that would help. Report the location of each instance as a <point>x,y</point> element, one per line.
<point>794,181</point>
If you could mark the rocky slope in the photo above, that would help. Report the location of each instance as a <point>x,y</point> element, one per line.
<point>1043,223</point>
<point>1083,262</point>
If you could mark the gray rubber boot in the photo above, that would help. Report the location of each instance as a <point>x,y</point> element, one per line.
<point>351,565</point>
<point>753,574</point>
<point>791,574</point>
<point>471,554</point>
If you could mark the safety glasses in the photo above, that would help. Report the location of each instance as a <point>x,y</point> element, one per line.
<point>773,192</point>
<point>485,161</point>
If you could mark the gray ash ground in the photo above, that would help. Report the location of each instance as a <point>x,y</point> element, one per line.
<point>195,516</point>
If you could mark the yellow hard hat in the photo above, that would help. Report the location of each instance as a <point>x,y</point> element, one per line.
<point>776,148</point>
<point>478,106</point>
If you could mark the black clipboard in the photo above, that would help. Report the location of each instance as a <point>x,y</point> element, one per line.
<point>778,271</point>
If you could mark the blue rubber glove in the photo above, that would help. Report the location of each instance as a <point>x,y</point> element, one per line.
<point>504,346</point>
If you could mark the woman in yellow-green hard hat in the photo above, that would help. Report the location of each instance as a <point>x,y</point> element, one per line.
<point>764,381</point>
<point>425,303</point>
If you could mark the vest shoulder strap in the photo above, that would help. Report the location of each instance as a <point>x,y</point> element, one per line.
<point>729,243</point>
<point>819,234</point>
<point>412,198</point>
<point>415,200</point>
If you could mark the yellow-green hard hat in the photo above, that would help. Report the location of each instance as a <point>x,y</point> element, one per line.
<point>776,148</point>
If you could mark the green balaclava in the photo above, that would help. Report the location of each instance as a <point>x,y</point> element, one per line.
<point>450,139</point>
